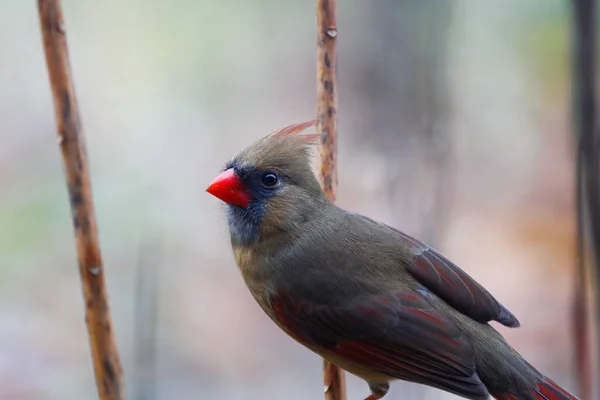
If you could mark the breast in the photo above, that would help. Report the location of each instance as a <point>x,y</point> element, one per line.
<point>302,268</point>
<point>244,257</point>
<point>257,276</point>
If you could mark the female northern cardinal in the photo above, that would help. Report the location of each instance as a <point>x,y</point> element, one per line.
<point>370,299</point>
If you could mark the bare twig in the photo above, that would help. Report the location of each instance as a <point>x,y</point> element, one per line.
<point>588,186</point>
<point>335,388</point>
<point>107,366</point>
<point>327,93</point>
<point>335,382</point>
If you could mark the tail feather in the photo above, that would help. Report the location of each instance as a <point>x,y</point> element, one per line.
<point>545,390</point>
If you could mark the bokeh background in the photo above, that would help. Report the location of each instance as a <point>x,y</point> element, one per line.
<point>454,126</point>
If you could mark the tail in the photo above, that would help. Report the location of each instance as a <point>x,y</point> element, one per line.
<point>544,390</point>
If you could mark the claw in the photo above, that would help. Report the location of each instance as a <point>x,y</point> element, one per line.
<point>378,390</point>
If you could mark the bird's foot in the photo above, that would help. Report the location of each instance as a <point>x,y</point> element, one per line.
<point>375,397</point>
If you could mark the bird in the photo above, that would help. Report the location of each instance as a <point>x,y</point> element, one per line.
<point>369,298</point>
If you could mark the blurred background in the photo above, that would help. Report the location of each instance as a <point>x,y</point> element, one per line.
<point>454,125</point>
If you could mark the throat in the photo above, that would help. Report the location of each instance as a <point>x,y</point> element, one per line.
<point>244,224</point>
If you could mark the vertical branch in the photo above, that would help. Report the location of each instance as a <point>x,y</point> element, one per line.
<point>335,388</point>
<point>107,366</point>
<point>327,93</point>
<point>588,184</point>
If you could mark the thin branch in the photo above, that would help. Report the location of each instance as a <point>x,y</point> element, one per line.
<point>107,367</point>
<point>587,186</point>
<point>335,387</point>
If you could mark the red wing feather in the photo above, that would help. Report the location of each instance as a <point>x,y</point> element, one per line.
<point>399,335</point>
<point>454,286</point>
<point>447,281</point>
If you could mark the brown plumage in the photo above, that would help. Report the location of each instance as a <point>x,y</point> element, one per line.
<point>371,299</point>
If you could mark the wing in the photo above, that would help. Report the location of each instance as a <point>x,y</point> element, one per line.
<point>446,280</point>
<point>454,286</point>
<point>397,335</point>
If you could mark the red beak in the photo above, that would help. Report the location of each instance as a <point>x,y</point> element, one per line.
<point>230,188</point>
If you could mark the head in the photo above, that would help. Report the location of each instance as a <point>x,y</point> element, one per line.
<point>269,187</point>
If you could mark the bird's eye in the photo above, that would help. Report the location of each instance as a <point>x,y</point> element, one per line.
<point>270,180</point>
